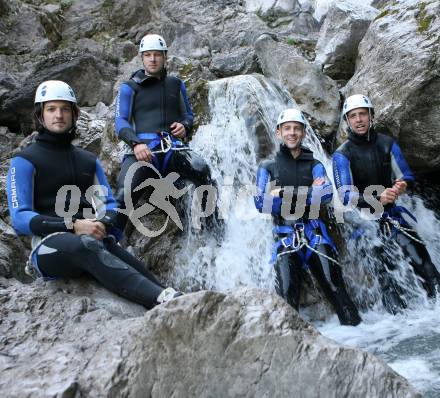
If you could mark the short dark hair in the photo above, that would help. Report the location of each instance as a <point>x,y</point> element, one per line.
<point>38,116</point>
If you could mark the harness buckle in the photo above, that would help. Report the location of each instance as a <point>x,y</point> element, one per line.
<point>284,242</point>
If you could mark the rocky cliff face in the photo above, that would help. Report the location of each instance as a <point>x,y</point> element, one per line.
<point>74,339</point>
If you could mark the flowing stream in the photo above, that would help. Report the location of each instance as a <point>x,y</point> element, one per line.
<point>240,134</point>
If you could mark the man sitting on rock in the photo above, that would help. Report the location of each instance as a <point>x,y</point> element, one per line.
<point>304,244</point>
<point>367,159</point>
<point>153,116</point>
<point>51,177</point>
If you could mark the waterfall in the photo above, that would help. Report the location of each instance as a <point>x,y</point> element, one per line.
<point>244,110</point>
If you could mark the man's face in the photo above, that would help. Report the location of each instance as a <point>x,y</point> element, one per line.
<point>359,120</point>
<point>58,116</point>
<point>154,62</point>
<point>291,133</point>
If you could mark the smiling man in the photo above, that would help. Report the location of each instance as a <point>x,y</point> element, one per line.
<point>302,240</point>
<point>367,159</point>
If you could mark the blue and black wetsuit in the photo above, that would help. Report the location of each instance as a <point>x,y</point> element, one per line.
<point>289,174</point>
<point>376,159</point>
<point>36,179</point>
<point>146,107</point>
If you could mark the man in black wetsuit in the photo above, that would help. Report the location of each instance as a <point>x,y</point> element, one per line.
<point>369,158</point>
<point>153,116</point>
<point>304,243</point>
<point>51,185</point>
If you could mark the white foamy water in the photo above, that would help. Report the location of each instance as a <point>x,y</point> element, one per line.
<point>244,110</point>
<point>408,342</point>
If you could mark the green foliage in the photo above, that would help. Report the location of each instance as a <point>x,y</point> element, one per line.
<point>424,20</point>
<point>386,12</point>
<point>292,42</point>
<point>65,4</point>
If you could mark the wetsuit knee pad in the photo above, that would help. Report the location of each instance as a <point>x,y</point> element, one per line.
<point>97,247</point>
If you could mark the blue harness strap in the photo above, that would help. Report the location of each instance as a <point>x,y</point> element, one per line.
<point>154,140</point>
<point>396,213</point>
<point>291,240</point>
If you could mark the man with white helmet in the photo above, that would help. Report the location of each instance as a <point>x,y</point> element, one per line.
<point>153,116</point>
<point>303,242</point>
<point>369,158</point>
<point>82,241</point>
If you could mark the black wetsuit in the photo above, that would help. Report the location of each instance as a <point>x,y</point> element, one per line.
<point>145,108</point>
<point>286,171</point>
<point>35,179</point>
<point>376,159</point>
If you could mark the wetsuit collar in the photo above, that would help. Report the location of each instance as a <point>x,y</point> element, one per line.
<point>306,154</point>
<point>56,139</point>
<point>140,77</point>
<point>363,139</point>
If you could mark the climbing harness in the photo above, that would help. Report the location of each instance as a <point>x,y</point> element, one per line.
<point>167,143</point>
<point>393,222</point>
<point>299,236</point>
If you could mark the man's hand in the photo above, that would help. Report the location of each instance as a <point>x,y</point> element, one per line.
<point>318,181</point>
<point>276,192</point>
<point>389,196</point>
<point>178,130</point>
<point>400,186</point>
<point>142,152</point>
<point>90,227</point>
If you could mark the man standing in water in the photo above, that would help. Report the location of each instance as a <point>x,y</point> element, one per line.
<point>304,243</point>
<point>369,158</point>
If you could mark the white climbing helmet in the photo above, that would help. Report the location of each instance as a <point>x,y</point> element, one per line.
<point>356,101</point>
<point>53,90</point>
<point>153,42</point>
<point>291,115</point>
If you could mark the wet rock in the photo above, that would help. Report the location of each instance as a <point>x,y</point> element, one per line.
<point>398,67</point>
<point>240,61</point>
<point>316,94</point>
<point>344,27</point>
<point>85,341</point>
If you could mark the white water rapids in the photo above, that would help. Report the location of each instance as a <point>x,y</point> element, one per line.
<point>244,109</point>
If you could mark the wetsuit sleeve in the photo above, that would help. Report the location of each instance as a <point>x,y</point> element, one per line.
<point>320,193</point>
<point>20,189</point>
<point>264,201</point>
<point>400,167</point>
<point>124,107</point>
<point>185,107</point>
<point>106,209</point>
<point>344,182</point>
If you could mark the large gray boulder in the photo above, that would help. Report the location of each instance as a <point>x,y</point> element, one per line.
<point>398,67</point>
<point>316,94</point>
<point>76,339</point>
<point>344,27</point>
